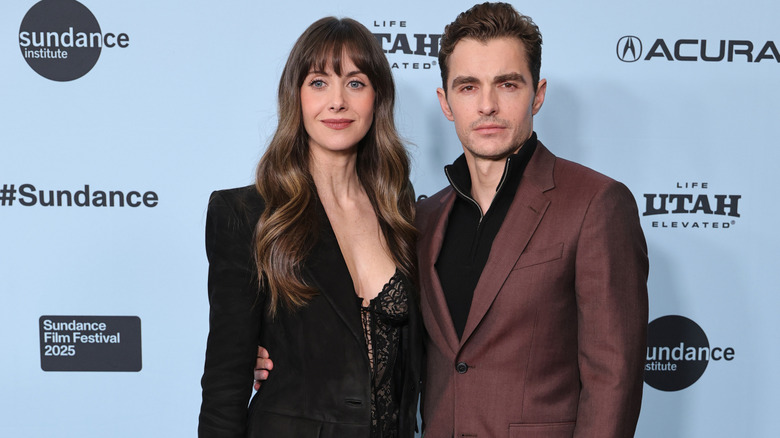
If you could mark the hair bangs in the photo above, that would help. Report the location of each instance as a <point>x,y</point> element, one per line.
<point>337,42</point>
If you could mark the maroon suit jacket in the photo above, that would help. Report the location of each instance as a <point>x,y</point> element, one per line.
<point>554,344</point>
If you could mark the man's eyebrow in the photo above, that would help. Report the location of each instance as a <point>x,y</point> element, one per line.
<point>509,77</point>
<point>460,80</point>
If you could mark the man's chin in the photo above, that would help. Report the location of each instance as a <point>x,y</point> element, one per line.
<point>492,154</point>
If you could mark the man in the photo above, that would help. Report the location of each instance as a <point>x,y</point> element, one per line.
<point>533,269</point>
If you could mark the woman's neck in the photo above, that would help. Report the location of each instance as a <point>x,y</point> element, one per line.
<point>335,176</point>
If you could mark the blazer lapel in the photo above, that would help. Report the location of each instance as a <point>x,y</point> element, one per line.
<point>329,273</point>
<point>430,245</point>
<point>520,223</point>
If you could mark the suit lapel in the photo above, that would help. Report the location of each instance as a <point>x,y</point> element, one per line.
<point>522,219</point>
<point>430,245</point>
<point>329,273</point>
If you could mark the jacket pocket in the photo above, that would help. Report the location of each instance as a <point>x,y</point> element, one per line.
<point>539,256</point>
<point>542,430</point>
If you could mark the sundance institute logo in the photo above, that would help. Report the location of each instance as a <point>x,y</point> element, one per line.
<point>61,40</point>
<point>678,353</point>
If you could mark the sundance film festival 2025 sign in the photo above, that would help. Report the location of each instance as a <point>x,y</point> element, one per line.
<point>90,343</point>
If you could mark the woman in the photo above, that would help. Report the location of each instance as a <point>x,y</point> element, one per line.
<point>314,262</point>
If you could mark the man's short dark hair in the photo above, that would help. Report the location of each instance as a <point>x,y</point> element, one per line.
<point>488,21</point>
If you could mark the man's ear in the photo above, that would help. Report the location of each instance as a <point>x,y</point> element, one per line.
<point>445,106</point>
<point>541,90</point>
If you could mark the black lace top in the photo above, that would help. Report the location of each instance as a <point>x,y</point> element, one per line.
<point>382,321</point>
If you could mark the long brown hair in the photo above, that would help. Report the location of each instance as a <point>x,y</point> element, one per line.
<point>286,230</point>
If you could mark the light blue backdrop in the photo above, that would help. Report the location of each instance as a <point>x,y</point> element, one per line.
<point>188,107</point>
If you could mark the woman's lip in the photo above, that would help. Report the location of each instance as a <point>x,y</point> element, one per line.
<point>337,123</point>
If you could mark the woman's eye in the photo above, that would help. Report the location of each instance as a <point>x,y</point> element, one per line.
<point>355,84</point>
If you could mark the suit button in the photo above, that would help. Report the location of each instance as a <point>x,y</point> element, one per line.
<point>461,367</point>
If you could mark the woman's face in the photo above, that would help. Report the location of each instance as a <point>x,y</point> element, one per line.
<point>337,110</point>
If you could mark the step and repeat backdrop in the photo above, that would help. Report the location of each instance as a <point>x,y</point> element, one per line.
<point>118,119</point>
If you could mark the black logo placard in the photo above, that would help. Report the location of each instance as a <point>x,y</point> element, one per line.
<point>90,343</point>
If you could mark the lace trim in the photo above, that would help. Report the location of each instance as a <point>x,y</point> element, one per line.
<point>382,321</point>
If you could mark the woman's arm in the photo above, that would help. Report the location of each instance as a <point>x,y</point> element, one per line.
<point>234,318</point>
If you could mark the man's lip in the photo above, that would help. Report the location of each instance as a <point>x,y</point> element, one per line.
<point>489,128</point>
<point>337,123</point>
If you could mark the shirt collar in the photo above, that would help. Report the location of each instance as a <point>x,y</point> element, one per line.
<point>460,178</point>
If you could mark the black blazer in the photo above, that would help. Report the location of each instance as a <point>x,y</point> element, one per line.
<point>320,383</point>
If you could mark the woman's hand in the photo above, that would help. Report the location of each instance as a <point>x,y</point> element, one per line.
<point>262,367</point>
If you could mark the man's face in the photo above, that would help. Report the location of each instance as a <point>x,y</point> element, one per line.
<point>490,96</point>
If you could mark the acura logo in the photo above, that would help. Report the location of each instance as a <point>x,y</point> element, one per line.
<point>629,48</point>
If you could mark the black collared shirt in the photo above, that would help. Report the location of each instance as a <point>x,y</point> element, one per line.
<point>470,234</point>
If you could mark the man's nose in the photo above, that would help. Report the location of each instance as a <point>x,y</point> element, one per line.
<point>488,103</point>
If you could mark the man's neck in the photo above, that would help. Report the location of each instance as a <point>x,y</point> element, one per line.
<point>485,176</point>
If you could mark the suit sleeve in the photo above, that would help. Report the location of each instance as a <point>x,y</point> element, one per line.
<point>611,291</point>
<point>234,321</point>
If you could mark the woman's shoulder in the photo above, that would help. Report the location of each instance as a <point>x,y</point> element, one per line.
<point>242,203</point>
<point>246,195</point>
